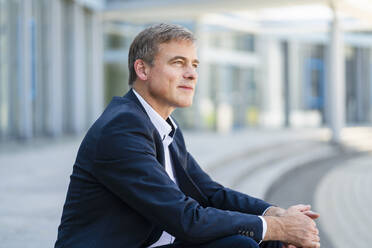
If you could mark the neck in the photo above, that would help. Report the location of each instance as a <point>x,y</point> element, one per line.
<point>164,112</point>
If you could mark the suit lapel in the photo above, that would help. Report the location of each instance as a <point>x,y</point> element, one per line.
<point>159,151</point>
<point>158,142</point>
<point>179,161</point>
<point>185,182</point>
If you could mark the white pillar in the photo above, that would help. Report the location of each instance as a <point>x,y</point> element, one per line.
<point>97,67</point>
<point>24,76</point>
<point>204,106</point>
<point>224,111</point>
<point>337,80</point>
<point>78,70</point>
<point>271,83</point>
<point>369,94</point>
<point>54,73</point>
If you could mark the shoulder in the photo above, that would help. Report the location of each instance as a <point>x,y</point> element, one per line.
<point>121,120</point>
<point>123,128</point>
<point>122,113</point>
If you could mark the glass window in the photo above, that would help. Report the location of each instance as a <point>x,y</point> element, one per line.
<point>116,80</point>
<point>3,69</point>
<point>88,66</point>
<point>114,41</point>
<point>39,64</point>
<point>9,67</point>
<point>68,62</point>
<point>245,42</point>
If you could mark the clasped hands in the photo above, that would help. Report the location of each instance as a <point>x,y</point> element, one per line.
<point>294,226</point>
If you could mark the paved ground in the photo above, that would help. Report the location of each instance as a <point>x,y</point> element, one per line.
<point>289,190</point>
<point>34,177</point>
<point>345,195</point>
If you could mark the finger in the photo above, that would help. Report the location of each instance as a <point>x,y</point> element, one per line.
<point>302,207</point>
<point>315,238</point>
<point>285,245</point>
<point>316,231</point>
<point>312,222</point>
<point>313,245</point>
<point>311,214</point>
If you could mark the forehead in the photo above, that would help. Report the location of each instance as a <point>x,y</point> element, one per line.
<point>182,48</point>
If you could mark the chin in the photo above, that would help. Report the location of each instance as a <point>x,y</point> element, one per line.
<point>184,104</point>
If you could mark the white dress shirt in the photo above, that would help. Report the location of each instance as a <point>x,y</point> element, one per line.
<point>164,129</point>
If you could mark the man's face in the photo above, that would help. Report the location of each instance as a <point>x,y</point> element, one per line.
<point>173,76</point>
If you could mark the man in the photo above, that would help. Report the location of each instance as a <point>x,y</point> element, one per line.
<point>135,185</point>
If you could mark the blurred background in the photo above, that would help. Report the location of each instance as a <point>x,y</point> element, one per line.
<point>282,111</point>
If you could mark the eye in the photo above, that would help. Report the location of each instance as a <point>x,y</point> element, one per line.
<point>178,62</point>
<point>195,65</point>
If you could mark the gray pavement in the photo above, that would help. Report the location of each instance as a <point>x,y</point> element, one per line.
<point>345,195</point>
<point>299,185</point>
<point>34,177</point>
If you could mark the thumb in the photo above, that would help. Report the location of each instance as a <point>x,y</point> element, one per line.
<point>312,214</point>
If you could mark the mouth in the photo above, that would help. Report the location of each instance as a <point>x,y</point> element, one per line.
<point>185,87</point>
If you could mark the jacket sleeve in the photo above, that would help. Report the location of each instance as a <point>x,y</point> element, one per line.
<point>221,197</point>
<point>126,164</point>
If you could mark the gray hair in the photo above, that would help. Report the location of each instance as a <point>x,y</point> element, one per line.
<point>145,44</point>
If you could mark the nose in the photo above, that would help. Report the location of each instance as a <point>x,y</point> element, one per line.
<point>190,73</point>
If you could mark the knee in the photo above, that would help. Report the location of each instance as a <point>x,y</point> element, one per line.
<point>239,241</point>
<point>271,244</point>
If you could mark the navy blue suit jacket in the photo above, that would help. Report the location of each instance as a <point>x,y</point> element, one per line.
<point>121,196</point>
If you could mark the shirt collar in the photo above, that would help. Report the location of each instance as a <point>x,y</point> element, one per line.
<point>164,127</point>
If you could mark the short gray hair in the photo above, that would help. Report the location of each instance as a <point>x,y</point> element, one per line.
<point>145,44</point>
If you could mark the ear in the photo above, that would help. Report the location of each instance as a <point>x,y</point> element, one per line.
<point>141,69</point>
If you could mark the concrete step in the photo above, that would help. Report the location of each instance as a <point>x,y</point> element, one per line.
<point>258,183</point>
<point>233,171</point>
<point>343,198</point>
<point>212,150</point>
<point>255,172</point>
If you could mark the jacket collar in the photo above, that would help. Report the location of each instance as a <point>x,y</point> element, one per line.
<point>131,96</point>
<point>164,127</point>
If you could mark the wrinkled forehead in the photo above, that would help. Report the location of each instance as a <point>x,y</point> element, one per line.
<point>184,48</point>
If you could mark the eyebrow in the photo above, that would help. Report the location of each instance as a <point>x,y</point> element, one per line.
<point>183,58</point>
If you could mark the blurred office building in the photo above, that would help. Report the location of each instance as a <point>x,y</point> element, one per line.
<point>50,67</point>
<point>260,65</point>
<point>61,62</point>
